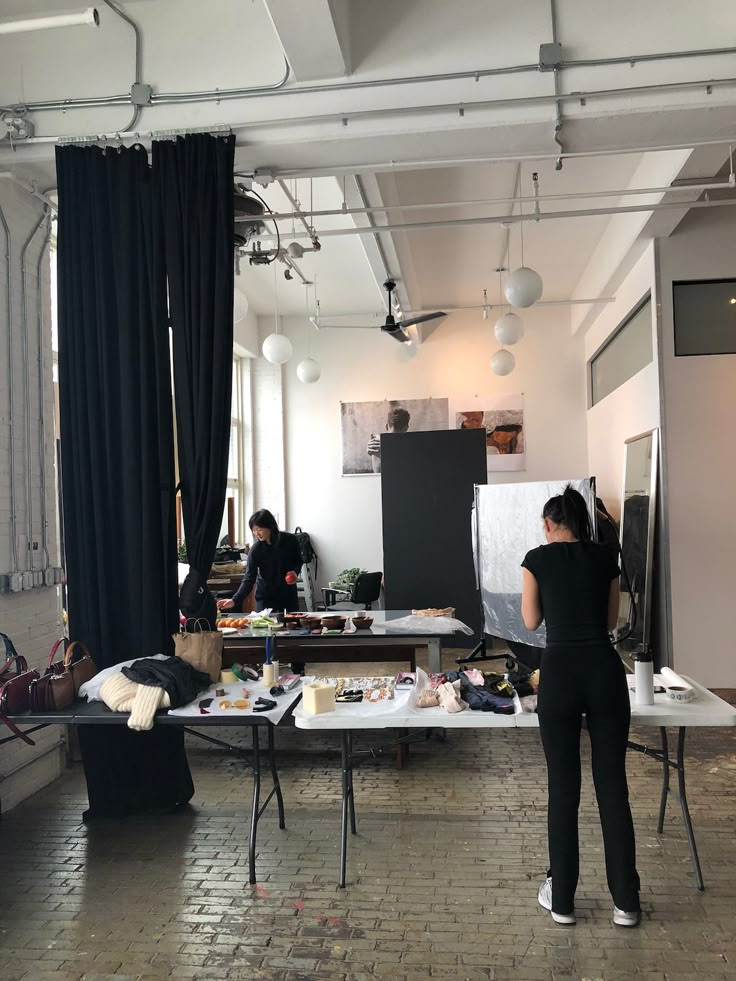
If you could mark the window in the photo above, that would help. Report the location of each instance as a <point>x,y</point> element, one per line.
<point>705,317</point>
<point>628,351</point>
<point>235,467</point>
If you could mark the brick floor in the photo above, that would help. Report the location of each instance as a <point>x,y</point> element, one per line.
<point>442,875</point>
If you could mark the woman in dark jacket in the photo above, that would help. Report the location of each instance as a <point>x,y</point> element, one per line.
<point>273,559</point>
<point>572,584</point>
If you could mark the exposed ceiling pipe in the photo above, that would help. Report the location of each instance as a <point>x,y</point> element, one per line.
<point>42,196</point>
<point>137,77</point>
<point>218,95</point>
<point>556,74</point>
<point>521,199</point>
<point>449,308</point>
<point>298,213</point>
<point>11,389</point>
<point>80,18</point>
<point>515,219</point>
<point>373,229</point>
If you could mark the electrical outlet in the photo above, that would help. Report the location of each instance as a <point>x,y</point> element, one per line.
<point>48,577</point>
<point>16,582</point>
<point>27,580</point>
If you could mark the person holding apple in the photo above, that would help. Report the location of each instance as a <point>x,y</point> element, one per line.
<point>273,567</point>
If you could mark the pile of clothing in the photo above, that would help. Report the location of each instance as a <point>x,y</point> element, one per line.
<point>151,684</point>
<point>472,689</point>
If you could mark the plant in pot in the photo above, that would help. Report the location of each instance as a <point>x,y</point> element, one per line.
<point>344,582</point>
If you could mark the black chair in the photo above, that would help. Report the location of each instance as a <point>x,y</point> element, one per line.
<point>365,592</point>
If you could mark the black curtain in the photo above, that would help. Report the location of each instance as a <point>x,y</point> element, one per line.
<point>194,185</point>
<point>117,453</point>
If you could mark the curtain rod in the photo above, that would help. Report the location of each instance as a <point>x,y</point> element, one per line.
<point>161,134</point>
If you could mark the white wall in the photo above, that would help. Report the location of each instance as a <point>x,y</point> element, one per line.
<point>343,514</point>
<point>700,456</point>
<point>31,617</point>
<point>632,408</point>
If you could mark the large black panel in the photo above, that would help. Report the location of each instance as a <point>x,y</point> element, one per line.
<point>427,487</point>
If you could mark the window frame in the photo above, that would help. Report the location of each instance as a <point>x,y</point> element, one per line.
<point>698,282</point>
<point>633,312</point>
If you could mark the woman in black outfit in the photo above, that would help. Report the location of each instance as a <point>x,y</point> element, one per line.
<point>274,555</point>
<point>572,584</point>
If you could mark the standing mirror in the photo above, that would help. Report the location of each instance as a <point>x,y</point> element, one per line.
<point>638,511</point>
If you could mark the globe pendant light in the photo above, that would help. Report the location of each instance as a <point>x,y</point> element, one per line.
<point>276,348</point>
<point>503,362</point>
<point>523,287</point>
<point>308,371</point>
<point>509,329</point>
<point>240,306</point>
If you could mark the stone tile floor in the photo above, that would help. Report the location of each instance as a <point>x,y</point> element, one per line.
<point>442,875</point>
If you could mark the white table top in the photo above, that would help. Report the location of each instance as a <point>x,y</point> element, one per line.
<point>706,709</point>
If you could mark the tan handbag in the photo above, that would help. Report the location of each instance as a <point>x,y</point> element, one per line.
<point>201,648</point>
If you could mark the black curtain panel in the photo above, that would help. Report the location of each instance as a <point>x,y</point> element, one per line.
<point>117,442</point>
<point>117,454</point>
<point>194,183</point>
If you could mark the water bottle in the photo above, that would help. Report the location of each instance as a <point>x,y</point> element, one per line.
<point>643,678</point>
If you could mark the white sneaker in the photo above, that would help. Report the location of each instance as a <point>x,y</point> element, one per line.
<point>622,919</point>
<point>544,897</point>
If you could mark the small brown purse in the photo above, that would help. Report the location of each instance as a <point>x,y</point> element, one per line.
<point>61,683</point>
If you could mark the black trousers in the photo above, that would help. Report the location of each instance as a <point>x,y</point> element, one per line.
<point>589,681</point>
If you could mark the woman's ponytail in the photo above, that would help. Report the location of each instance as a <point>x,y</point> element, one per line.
<point>569,509</point>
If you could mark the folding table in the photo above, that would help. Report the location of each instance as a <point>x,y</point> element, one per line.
<point>706,710</point>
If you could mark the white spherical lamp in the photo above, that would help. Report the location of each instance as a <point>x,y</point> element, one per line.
<point>502,363</point>
<point>277,349</point>
<point>509,329</point>
<point>523,287</point>
<point>295,250</point>
<point>240,306</point>
<point>308,371</point>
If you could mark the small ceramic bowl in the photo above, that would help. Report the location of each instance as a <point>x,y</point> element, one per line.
<point>362,623</point>
<point>334,623</point>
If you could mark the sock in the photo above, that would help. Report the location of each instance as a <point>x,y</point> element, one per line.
<point>147,701</point>
<point>118,693</point>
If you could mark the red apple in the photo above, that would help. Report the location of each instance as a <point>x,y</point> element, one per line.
<point>291,578</point>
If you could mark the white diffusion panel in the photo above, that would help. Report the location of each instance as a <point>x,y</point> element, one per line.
<point>509,524</point>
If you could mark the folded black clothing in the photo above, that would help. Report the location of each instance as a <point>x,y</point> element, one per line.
<point>179,680</point>
<point>474,695</point>
<point>523,688</point>
<point>498,685</point>
<point>499,704</point>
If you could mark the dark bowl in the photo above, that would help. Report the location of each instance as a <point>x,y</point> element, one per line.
<point>362,623</point>
<point>334,623</point>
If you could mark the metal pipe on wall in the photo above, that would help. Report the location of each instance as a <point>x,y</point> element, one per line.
<point>137,41</point>
<point>26,395</point>
<point>41,395</point>
<point>11,389</point>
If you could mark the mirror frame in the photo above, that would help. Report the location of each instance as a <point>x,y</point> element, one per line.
<point>646,612</point>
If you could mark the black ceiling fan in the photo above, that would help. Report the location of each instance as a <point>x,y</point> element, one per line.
<point>397,328</point>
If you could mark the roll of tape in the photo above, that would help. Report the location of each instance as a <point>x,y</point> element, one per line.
<point>227,678</point>
<point>679,693</point>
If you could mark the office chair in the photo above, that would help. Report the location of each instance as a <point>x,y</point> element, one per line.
<point>366,591</point>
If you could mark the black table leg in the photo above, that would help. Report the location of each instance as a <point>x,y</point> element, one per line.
<point>665,781</point>
<point>275,777</point>
<point>686,810</point>
<point>348,806</point>
<point>351,792</point>
<point>256,807</point>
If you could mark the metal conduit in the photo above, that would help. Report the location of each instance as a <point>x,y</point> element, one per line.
<point>11,388</point>
<point>217,95</point>
<point>41,394</point>
<point>137,37</point>
<point>523,199</point>
<point>26,394</point>
<point>515,219</point>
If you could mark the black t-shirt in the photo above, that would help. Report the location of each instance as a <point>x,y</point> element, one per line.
<point>267,566</point>
<point>574,585</point>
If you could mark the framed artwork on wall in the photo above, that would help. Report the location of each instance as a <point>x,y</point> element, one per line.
<point>363,424</point>
<point>502,417</point>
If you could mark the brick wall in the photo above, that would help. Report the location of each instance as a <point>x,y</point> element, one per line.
<point>30,617</point>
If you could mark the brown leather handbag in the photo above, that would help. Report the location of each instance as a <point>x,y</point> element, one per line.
<point>61,683</point>
<point>15,694</point>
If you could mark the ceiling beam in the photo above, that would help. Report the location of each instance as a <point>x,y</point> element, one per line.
<point>314,36</point>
